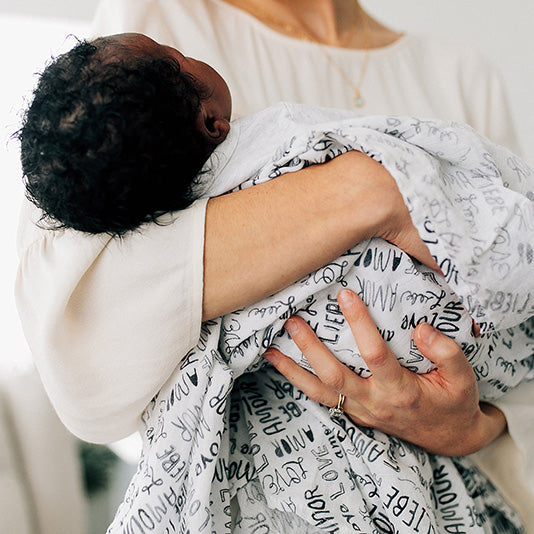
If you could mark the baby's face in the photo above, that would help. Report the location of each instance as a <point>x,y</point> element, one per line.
<point>218,93</point>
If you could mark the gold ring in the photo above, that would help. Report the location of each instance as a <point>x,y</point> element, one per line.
<point>337,411</point>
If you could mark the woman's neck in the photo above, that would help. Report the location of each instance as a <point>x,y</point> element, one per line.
<point>331,22</point>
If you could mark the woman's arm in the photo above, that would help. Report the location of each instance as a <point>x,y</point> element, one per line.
<point>439,411</point>
<point>264,238</point>
<point>95,308</point>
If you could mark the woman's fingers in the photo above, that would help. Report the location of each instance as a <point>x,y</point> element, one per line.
<point>380,360</point>
<point>307,382</point>
<point>445,353</point>
<point>313,387</point>
<point>327,367</point>
<point>410,241</point>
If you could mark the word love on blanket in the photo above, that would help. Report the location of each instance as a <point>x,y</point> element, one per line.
<point>231,446</point>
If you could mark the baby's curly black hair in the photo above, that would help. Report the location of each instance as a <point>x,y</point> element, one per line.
<point>109,144</point>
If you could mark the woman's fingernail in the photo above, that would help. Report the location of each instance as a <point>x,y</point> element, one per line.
<point>426,333</point>
<point>346,297</point>
<point>476,329</point>
<point>270,356</point>
<point>291,327</point>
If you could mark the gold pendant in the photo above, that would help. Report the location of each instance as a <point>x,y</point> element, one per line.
<point>358,100</point>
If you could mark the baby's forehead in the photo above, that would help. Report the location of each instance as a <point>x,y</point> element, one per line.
<point>124,45</point>
<point>137,40</point>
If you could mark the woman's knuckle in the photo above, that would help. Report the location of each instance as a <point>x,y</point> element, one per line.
<point>334,379</point>
<point>376,357</point>
<point>353,313</point>
<point>285,368</point>
<point>449,350</point>
<point>408,400</point>
<point>383,415</point>
<point>314,394</point>
<point>462,392</point>
<point>304,343</point>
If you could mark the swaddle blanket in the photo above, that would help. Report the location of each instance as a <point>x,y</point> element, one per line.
<point>231,446</point>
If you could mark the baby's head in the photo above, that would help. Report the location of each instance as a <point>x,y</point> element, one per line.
<point>117,131</point>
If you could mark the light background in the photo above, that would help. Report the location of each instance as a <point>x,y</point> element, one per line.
<point>31,30</point>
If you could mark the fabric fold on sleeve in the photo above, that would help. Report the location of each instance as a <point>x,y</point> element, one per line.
<point>108,320</point>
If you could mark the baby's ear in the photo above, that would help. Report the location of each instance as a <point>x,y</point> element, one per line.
<point>213,129</point>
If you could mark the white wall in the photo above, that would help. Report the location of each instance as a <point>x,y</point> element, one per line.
<point>66,9</point>
<point>501,30</point>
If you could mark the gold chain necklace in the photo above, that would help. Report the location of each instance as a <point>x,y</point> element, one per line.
<point>357,98</point>
<point>305,35</point>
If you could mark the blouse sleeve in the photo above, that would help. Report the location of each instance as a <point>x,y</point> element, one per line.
<point>107,320</point>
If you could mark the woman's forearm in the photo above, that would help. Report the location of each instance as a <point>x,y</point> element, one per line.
<point>260,240</point>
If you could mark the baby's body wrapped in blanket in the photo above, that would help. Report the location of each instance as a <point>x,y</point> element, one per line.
<point>231,446</point>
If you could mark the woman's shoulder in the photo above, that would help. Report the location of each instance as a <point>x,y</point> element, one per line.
<point>35,232</point>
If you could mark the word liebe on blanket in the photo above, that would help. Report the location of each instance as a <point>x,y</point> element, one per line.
<point>231,446</point>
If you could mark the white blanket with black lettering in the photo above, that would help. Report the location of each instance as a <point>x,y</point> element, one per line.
<point>231,446</point>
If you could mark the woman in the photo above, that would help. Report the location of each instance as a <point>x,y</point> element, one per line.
<point>284,65</point>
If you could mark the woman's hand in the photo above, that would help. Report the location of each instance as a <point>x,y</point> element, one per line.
<point>439,411</point>
<point>382,206</point>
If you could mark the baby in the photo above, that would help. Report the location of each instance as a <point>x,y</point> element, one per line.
<point>119,133</point>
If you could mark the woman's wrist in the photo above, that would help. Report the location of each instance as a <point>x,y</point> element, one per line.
<point>488,426</point>
<point>378,208</point>
<point>369,195</point>
<point>494,422</point>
